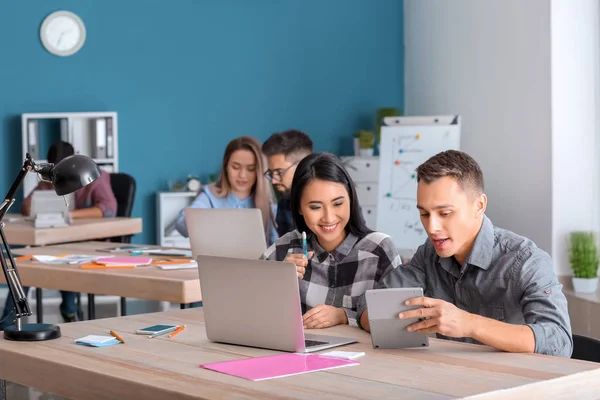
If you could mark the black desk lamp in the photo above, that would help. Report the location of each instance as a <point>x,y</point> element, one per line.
<point>66,176</point>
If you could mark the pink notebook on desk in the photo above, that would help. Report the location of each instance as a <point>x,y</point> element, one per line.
<point>277,366</point>
<point>124,260</point>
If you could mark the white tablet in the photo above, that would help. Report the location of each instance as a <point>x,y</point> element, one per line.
<point>387,330</point>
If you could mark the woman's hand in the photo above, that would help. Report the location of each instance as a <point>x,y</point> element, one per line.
<point>301,262</point>
<point>323,316</point>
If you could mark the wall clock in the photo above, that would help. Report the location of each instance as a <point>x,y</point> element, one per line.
<point>62,33</point>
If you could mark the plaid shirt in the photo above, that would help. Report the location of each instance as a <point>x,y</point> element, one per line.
<point>339,278</point>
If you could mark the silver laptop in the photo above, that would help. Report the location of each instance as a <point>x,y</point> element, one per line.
<point>48,202</point>
<point>232,232</point>
<point>49,210</point>
<point>256,303</point>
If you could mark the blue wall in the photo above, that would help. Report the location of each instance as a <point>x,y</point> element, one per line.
<point>187,76</point>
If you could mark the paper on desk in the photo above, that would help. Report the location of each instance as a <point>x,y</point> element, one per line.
<point>279,365</point>
<point>168,252</point>
<point>67,259</point>
<point>97,340</point>
<point>112,260</point>
<point>190,265</point>
<point>347,355</point>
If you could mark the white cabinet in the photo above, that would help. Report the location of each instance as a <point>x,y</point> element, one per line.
<point>364,171</point>
<point>94,134</point>
<point>168,207</point>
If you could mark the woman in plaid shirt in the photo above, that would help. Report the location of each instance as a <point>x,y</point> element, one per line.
<point>345,257</point>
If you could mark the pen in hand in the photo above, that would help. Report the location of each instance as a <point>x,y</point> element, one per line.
<point>304,245</point>
<point>117,336</point>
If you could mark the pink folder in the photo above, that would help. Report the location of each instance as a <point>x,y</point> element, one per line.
<point>261,368</point>
<point>124,260</point>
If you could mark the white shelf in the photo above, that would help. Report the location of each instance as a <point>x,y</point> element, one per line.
<point>94,114</point>
<point>177,194</point>
<point>364,171</point>
<point>168,207</point>
<point>104,160</point>
<point>84,130</point>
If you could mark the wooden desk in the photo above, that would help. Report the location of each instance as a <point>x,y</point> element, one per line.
<point>22,232</point>
<point>150,283</point>
<point>166,368</point>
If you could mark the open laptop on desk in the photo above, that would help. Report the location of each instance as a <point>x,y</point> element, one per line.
<point>256,303</point>
<point>49,209</point>
<point>231,232</point>
<point>47,201</point>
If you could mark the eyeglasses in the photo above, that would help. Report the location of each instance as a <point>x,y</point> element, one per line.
<point>277,174</point>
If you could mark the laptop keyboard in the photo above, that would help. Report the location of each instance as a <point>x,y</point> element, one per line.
<point>312,343</point>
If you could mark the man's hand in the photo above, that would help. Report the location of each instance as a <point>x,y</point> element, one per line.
<point>323,316</point>
<point>441,317</point>
<point>301,262</point>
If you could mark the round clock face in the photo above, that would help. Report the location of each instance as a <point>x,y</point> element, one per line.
<point>62,33</point>
<point>193,185</point>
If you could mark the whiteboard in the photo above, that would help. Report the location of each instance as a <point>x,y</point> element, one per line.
<point>407,142</point>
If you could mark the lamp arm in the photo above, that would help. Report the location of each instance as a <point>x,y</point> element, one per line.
<point>10,196</point>
<point>13,279</point>
<point>8,263</point>
<point>28,165</point>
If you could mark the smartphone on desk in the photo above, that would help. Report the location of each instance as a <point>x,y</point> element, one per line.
<point>156,329</point>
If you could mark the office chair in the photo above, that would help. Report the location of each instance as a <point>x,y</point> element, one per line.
<point>585,348</point>
<point>123,187</point>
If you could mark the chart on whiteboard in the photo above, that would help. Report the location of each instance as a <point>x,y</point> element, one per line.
<point>403,148</point>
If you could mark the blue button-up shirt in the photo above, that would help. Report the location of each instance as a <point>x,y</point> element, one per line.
<point>506,277</point>
<point>207,199</point>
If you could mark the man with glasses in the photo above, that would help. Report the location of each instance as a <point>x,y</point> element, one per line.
<point>284,151</point>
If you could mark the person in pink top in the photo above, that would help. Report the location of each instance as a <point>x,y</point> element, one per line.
<point>95,200</point>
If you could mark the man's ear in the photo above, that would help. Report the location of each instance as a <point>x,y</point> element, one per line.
<point>480,204</point>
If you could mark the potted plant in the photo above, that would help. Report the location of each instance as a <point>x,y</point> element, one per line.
<point>366,141</point>
<point>583,256</point>
<point>380,115</point>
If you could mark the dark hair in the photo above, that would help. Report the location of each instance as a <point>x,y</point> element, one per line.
<point>58,151</point>
<point>326,167</point>
<point>456,164</point>
<point>293,144</point>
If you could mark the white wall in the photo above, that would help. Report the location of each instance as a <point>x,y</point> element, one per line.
<point>489,61</point>
<point>575,70</point>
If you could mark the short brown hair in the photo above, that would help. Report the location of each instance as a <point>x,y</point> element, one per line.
<point>456,164</point>
<point>293,144</point>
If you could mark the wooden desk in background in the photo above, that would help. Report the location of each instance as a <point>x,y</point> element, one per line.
<point>21,232</point>
<point>149,282</point>
<point>168,368</point>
